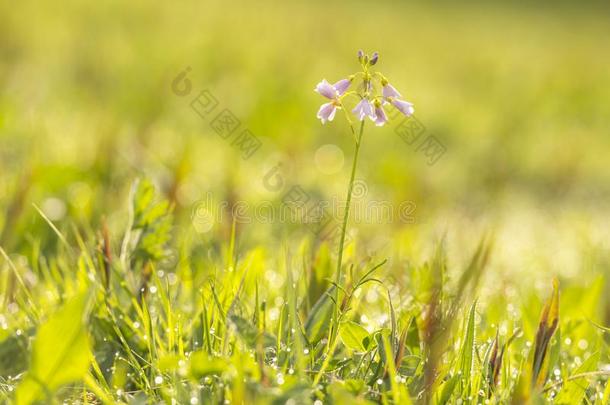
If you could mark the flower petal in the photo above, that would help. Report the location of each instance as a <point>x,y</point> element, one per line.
<point>327,112</point>
<point>389,91</point>
<point>325,89</point>
<point>381,117</point>
<point>370,111</point>
<point>364,109</point>
<point>342,85</point>
<point>403,106</point>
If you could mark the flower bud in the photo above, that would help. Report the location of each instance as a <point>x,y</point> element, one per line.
<point>374,58</point>
<point>360,55</point>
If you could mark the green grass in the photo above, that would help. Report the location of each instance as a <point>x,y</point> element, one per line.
<point>116,288</point>
<point>99,324</point>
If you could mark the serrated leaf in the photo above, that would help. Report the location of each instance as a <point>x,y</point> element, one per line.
<point>60,353</point>
<point>152,222</point>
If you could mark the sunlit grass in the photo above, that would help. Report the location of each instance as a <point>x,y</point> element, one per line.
<point>112,292</point>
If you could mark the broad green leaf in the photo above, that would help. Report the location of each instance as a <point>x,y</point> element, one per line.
<point>168,362</point>
<point>574,390</point>
<point>354,336</point>
<point>340,393</point>
<point>60,353</point>
<point>202,365</point>
<point>297,393</point>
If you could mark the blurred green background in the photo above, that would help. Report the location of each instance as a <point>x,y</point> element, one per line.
<point>519,94</point>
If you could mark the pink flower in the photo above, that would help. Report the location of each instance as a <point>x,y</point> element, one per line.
<point>326,89</point>
<point>332,92</point>
<point>389,91</point>
<point>403,106</point>
<point>327,112</point>
<point>363,109</point>
<point>381,117</point>
<point>342,85</point>
<point>392,96</point>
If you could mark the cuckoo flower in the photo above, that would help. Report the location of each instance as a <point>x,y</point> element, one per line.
<point>363,109</point>
<point>380,117</point>
<point>392,96</point>
<point>403,106</point>
<point>369,102</point>
<point>333,93</point>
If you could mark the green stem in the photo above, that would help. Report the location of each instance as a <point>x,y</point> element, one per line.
<point>344,225</point>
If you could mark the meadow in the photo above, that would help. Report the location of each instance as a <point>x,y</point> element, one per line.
<point>150,251</point>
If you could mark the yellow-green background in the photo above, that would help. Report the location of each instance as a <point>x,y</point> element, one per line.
<point>518,93</point>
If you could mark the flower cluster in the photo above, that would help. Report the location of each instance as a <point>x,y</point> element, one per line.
<point>370,102</point>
